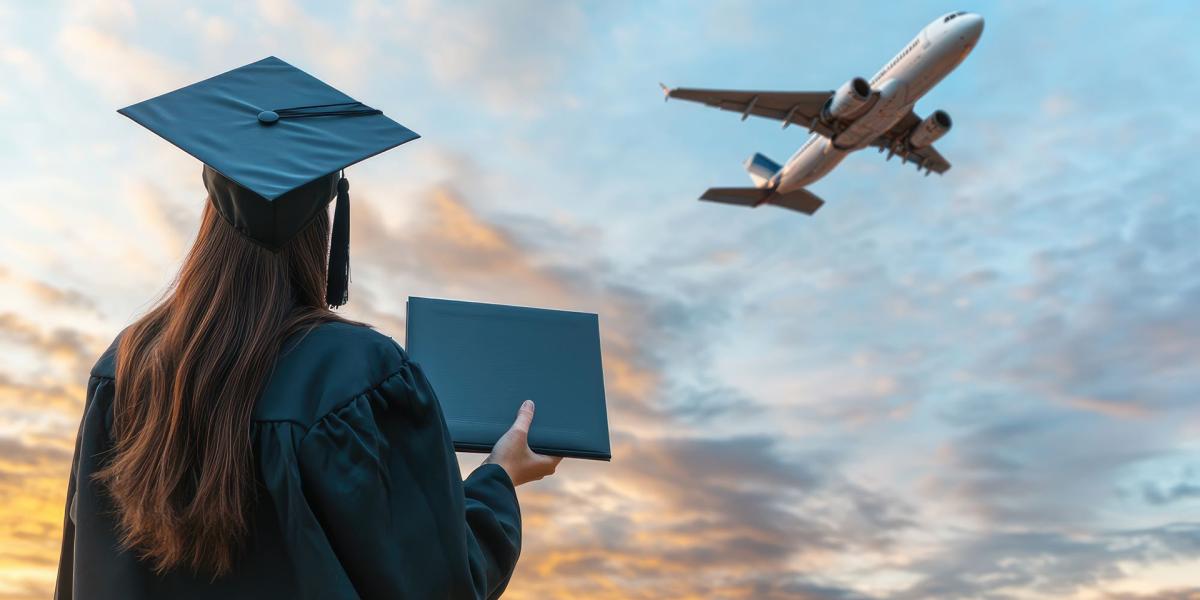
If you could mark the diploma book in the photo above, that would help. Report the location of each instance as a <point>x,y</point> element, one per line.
<point>485,359</point>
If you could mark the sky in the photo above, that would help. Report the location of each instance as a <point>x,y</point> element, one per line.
<point>980,385</point>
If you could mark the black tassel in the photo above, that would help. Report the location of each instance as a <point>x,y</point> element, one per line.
<point>337,288</point>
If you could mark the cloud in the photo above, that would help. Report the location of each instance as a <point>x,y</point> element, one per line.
<point>174,225</point>
<point>1182,490</point>
<point>1170,594</point>
<point>511,58</point>
<point>121,70</point>
<point>46,294</point>
<point>754,520</point>
<point>24,62</point>
<point>674,499</point>
<point>1047,563</point>
<point>706,403</point>
<point>110,14</point>
<point>450,249</point>
<point>215,30</point>
<point>1034,471</point>
<point>341,51</point>
<point>32,489</point>
<point>38,397</point>
<point>72,346</point>
<point>1127,349</point>
<point>452,246</point>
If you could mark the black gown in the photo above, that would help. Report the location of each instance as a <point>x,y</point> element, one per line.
<point>360,494</point>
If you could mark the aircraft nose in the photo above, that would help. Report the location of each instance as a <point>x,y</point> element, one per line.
<point>971,25</point>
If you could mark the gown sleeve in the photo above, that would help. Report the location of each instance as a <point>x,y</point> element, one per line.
<point>381,477</point>
<point>88,441</point>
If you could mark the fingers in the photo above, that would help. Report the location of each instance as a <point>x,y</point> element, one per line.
<point>543,466</point>
<point>524,417</point>
<point>529,466</point>
<point>547,464</point>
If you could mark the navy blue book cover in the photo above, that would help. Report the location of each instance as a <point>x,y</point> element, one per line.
<point>485,359</point>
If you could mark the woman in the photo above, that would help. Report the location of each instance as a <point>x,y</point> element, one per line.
<point>242,441</point>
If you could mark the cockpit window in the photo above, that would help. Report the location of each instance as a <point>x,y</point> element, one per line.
<point>948,17</point>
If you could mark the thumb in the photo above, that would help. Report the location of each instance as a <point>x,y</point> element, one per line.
<point>524,417</point>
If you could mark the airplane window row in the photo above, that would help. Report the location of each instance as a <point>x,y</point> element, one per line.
<point>902,54</point>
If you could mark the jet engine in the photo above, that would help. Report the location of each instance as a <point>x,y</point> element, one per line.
<point>848,101</point>
<point>928,131</point>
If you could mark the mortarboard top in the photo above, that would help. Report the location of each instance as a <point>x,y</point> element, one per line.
<point>279,135</point>
<point>270,128</point>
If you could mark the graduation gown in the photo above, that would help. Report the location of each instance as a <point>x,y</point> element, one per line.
<point>359,496</point>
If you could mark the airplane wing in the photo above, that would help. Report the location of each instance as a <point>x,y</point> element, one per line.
<point>800,108</point>
<point>927,157</point>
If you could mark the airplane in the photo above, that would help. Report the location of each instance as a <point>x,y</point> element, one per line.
<point>859,114</point>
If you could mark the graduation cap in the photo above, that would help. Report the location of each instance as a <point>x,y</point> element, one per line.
<point>274,141</point>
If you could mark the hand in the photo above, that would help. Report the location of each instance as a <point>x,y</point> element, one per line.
<point>512,451</point>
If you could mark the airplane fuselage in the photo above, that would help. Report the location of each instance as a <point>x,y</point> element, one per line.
<point>924,62</point>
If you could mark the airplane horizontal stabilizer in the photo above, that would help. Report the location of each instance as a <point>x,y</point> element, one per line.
<point>740,196</point>
<point>800,200</point>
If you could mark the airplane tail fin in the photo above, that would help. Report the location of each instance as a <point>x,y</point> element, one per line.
<point>761,169</point>
<point>800,200</point>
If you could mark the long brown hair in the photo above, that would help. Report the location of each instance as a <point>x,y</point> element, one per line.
<point>181,474</point>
